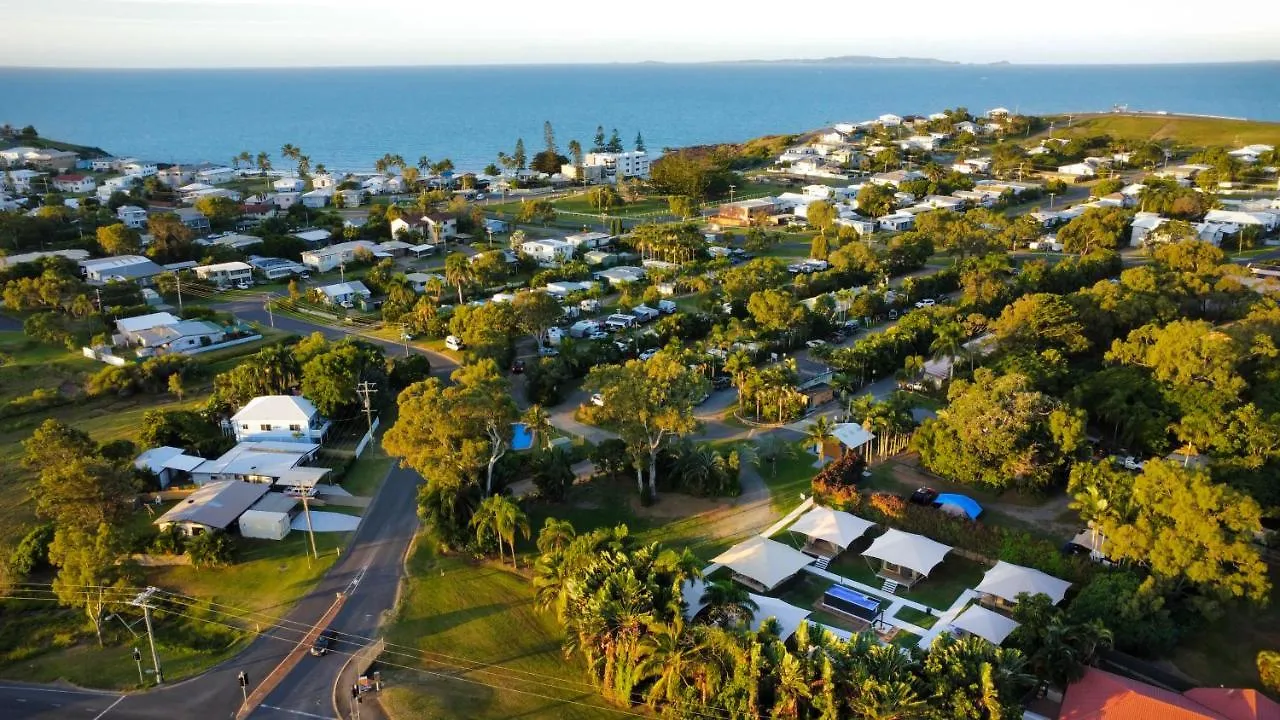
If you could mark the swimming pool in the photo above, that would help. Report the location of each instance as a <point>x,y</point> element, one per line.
<point>521,438</point>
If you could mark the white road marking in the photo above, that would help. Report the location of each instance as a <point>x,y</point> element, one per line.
<point>104,712</point>
<point>294,712</point>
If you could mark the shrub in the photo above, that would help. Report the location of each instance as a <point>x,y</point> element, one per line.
<point>888,505</point>
<point>836,485</point>
<point>610,458</point>
<point>32,553</point>
<point>552,474</point>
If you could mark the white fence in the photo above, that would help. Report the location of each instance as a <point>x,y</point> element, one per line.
<point>368,437</point>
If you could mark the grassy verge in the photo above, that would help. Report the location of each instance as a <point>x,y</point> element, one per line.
<point>369,471</point>
<point>915,617</point>
<point>788,478</point>
<point>452,606</point>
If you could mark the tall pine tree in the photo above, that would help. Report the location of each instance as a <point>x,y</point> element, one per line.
<point>521,160</point>
<point>639,143</point>
<point>615,142</point>
<point>598,143</point>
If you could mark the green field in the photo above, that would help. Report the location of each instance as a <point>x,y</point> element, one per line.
<point>1192,131</point>
<point>479,613</point>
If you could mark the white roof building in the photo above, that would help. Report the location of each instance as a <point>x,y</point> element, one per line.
<point>833,527</point>
<point>1006,581</point>
<point>852,435</point>
<point>268,462</point>
<point>284,418</point>
<point>901,551</point>
<point>165,462</point>
<point>789,617</point>
<point>140,323</point>
<point>763,562</point>
<point>120,268</point>
<point>990,626</point>
<point>215,506</point>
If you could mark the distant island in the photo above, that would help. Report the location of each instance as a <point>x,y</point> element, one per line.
<point>846,60</point>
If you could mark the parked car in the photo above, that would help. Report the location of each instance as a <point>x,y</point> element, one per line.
<point>453,342</point>
<point>721,382</point>
<point>816,343</point>
<point>927,302</point>
<point>648,353</point>
<point>517,367</point>
<point>924,496</point>
<point>597,400</point>
<point>545,351</point>
<point>598,335</point>
<point>324,643</point>
<point>347,304</point>
<point>242,285</point>
<point>1132,463</point>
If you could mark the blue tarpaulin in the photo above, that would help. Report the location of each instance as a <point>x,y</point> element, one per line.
<point>959,503</point>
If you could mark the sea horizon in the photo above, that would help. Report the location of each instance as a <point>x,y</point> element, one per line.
<point>348,116</point>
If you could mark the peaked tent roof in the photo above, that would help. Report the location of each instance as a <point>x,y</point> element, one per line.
<point>838,528</point>
<point>765,561</point>
<point>990,626</point>
<point>789,616</point>
<point>1006,581</point>
<point>913,551</point>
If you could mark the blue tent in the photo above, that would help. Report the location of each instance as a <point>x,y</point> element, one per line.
<point>950,502</point>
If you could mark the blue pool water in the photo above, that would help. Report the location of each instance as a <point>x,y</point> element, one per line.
<point>521,438</point>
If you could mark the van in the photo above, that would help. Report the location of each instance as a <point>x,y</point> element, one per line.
<point>453,342</point>
<point>667,307</point>
<point>555,335</point>
<point>644,313</point>
<point>571,311</point>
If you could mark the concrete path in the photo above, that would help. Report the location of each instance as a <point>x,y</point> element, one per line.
<point>322,521</point>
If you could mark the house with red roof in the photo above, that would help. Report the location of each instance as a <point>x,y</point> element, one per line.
<point>1101,695</point>
<point>74,183</point>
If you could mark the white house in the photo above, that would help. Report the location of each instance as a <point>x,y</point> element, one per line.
<point>75,183</point>
<point>327,258</point>
<point>441,226</point>
<point>1143,224</point>
<point>345,292</point>
<point>620,275</point>
<point>19,180</point>
<point>419,280</point>
<point>289,184</point>
<point>325,180</point>
<point>119,183</point>
<point>15,156</point>
<point>216,175</point>
<point>897,221</point>
<point>619,166</point>
<point>317,198</point>
<point>180,337</point>
<point>889,120</point>
<point>589,240</point>
<point>282,418</point>
<point>1080,169</point>
<point>128,327</point>
<point>548,252</point>
<point>284,201</point>
<point>227,273</point>
<point>1267,221</point>
<point>132,216</point>
<point>139,168</point>
<point>860,225</point>
<point>167,463</point>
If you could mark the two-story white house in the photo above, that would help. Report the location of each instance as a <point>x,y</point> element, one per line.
<point>132,216</point>
<point>227,273</point>
<point>287,418</point>
<point>73,183</point>
<point>289,184</point>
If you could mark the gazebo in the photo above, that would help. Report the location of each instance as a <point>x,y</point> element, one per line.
<point>829,532</point>
<point>852,435</point>
<point>986,624</point>
<point>762,564</point>
<point>905,558</point>
<point>1003,583</point>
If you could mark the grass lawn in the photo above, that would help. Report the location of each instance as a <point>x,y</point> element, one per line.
<point>1225,652</point>
<point>1197,132</point>
<point>369,471</point>
<point>915,617</point>
<point>955,575</point>
<point>788,478</point>
<point>904,639</point>
<point>483,613</point>
<point>579,204</point>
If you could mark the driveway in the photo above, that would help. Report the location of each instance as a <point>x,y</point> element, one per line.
<point>322,521</point>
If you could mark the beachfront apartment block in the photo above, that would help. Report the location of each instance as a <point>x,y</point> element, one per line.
<point>620,166</point>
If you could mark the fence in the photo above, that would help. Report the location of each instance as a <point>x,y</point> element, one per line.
<point>104,355</point>
<point>368,437</point>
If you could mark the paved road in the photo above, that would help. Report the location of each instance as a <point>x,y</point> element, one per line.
<point>376,553</point>
<point>8,323</point>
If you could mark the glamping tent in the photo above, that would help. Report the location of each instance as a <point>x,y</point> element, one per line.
<point>789,616</point>
<point>990,626</point>
<point>762,563</point>
<point>830,532</point>
<point>1003,583</point>
<point>905,558</point>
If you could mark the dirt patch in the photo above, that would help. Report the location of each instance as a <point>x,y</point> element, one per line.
<point>672,506</point>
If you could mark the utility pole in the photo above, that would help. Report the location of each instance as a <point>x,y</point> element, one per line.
<point>731,189</point>
<point>143,600</point>
<point>404,337</point>
<point>266,302</point>
<point>98,292</point>
<point>365,389</point>
<point>306,511</point>
<point>177,275</point>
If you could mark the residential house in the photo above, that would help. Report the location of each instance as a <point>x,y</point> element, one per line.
<point>254,213</point>
<point>620,166</point>
<point>53,160</point>
<point>284,201</point>
<point>1265,221</point>
<point>441,226</point>
<point>15,156</point>
<point>280,418</point>
<point>228,273</point>
<point>213,508</point>
<point>897,222</point>
<point>180,337</point>
<point>289,184</point>
<point>316,199</point>
<point>74,183</point>
<point>19,180</point>
<point>315,236</point>
<point>328,258</point>
<point>747,212</point>
<point>585,173</point>
<point>620,275</point>
<point>216,175</point>
<point>896,177</point>
<point>127,328</point>
<point>966,126</point>
<point>589,240</point>
<point>121,268</point>
<point>1250,153</point>
<point>282,462</point>
<point>1000,113</point>
<point>75,255</point>
<point>1078,170</point>
<point>548,252</point>
<point>168,464</point>
<point>350,198</point>
<point>411,222</point>
<point>119,183</point>
<point>138,168</point>
<point>232,240</point>
<point>344,293</point>
<point>193,219</point>
<point>1100,695</point>
<point>325,181</point>
<point>495,226</point>
<point>273,268</point>
<point>860,225</point>
<point>420,280</point>
<point>132,216</point>
<point>176,176</point>
<point>889,120</point>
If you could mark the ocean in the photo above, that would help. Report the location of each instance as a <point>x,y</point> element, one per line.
<point>346,118</point>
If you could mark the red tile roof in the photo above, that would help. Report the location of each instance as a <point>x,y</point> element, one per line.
<point>1100,695</point>
<point>70,178</point>
<point>1237,704</point>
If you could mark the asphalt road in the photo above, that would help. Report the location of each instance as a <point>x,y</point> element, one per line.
<point>375,554</point>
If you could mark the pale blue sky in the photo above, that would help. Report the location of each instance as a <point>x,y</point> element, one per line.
<point>225,33</point>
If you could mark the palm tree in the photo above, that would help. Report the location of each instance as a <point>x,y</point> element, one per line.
<point>434,287</point>
<point>771,448</point>
<point>555,536</point>
<point>410,175</point>
<point>949,339</point>
<point>535,419</point>
<point>290,151</point>
<point>728,604</point>
<point>819,433</point>
<point>457,272</point>
<point>263,162</point>
<point>424,163</point>
<point>304,165</point>
<point>737,365</point>
<point>499,517</point>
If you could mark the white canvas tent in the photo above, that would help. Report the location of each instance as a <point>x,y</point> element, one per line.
<point>832,526</point>
<point>763,561</point>
<point>990,626</point>
<point>789,616</point>
<point>852,435</point>
<point>1006,581</point>
<point>907,555</point>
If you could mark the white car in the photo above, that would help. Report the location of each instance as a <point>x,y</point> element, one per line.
<point>1132,463</point>
<point>816,343</point>
<point>453,342</point>
<point>597,400</point>
<point>648,354</point>
<point>546,351</point>
<point>598,335</point>
<point>927,302</point>
<point>242,285</point>
<point>348,304</point>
